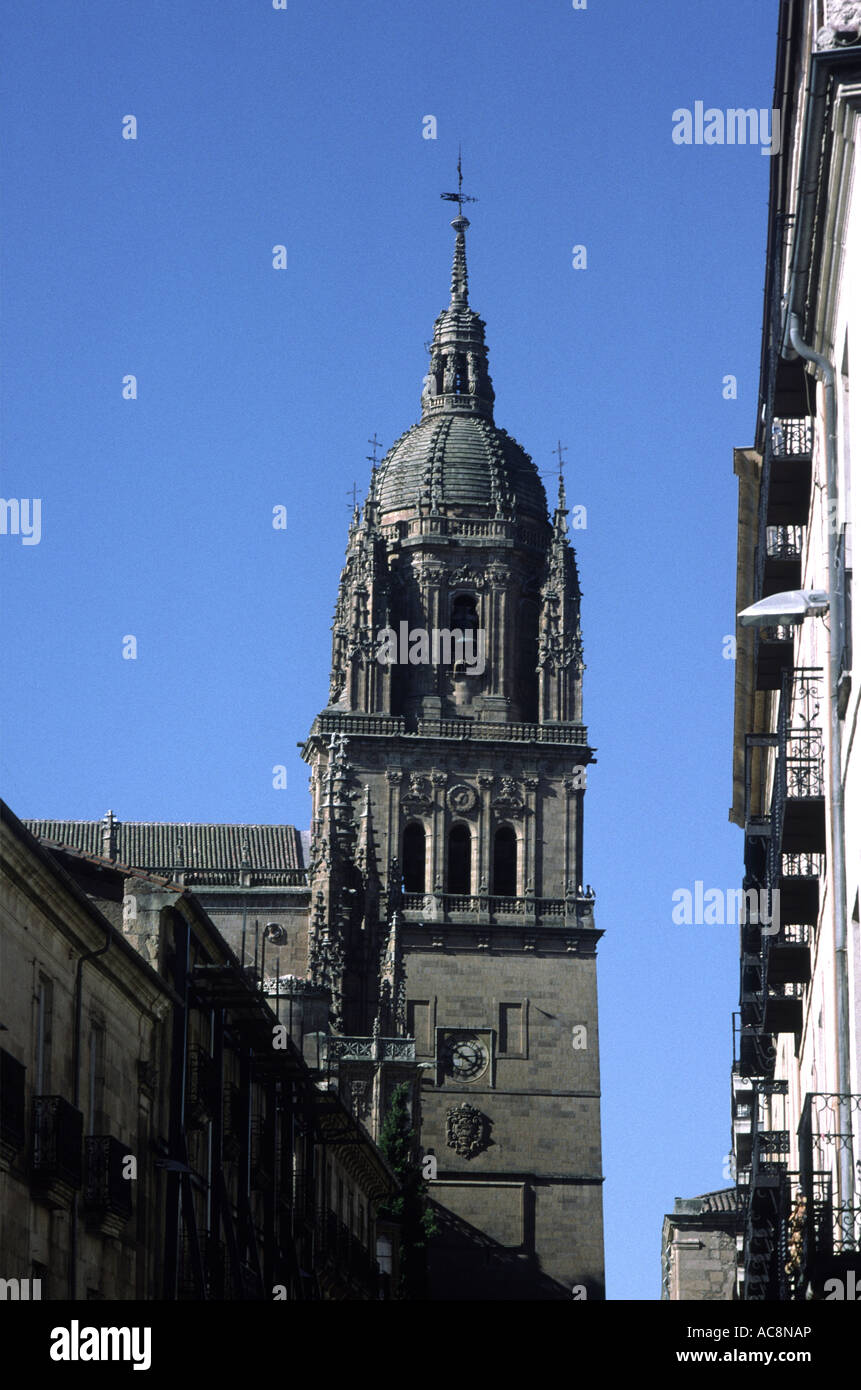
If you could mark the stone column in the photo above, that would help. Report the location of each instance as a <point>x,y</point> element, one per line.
<point>530,847</point>
<point>485,830</point>
<point>438,841</point>
<point>394,777</point>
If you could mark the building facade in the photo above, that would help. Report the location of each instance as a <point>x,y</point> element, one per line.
<point>440,932</point>
<point>698,1248</point>
<point>161,1136</point>
<point>796,1084</point>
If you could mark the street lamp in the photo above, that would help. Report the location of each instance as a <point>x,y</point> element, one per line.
<point>783,610</point>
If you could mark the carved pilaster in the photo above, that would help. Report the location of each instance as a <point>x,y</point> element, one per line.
<point>438,832</point>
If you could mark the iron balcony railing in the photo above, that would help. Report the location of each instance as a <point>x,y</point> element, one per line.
<point>830,1128</point>
<point>807,1217</point>
<point>784,822</point>
<point>108,1184</point>
<point>791,437</point>
<point>762,1192</point>
<point>57,1134</point>
<point>789,759</point>
<point>784,542</point>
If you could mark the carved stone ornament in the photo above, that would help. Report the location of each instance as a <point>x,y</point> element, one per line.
<point>509,801</point>
<point>418,791</point>
<point>462,798</point>
<point>842,24</point>
<point>466,1130</point>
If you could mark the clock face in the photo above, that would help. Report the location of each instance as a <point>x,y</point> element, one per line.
<point>464,1056</point>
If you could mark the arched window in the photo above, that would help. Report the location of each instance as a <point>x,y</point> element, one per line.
<point>414,858</point>
<point>459,855</point>
<point>505,862</point>
<point>464,619</point>
<point>464,612</point>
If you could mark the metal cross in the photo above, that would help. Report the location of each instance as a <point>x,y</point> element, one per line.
<point>377,444</point>
<point>459,197</point>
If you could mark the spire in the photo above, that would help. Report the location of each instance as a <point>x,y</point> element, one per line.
<point>459,284</point>
<point>458,380</point>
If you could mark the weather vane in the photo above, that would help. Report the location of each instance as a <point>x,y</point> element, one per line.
<point>560,450</point>
<point>459,197</point>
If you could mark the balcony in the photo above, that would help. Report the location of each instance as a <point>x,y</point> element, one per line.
<point>390,726</point>
<point>12,1107</point>
<point>756,1050</point>
<point>804,812</point>
<point>770,1152</point>
<point>107,1189</point>
<point>783,550</point>
<point>57,1168</point>
<point>800,770</point>
<point>774,655</point>
<point>827,1135</point>
<point>790,472</point>
<point>764,1193</point>
<point>783,1009</point>
<point>486,909</point>
<point>800,875</point>
<point>787,956</point>
<point>788,763</point>
<point>373,1049</point>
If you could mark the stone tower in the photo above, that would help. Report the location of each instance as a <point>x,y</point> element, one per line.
<point>448,776</point>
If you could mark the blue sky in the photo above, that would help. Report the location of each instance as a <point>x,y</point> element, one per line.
<point>259,387</point>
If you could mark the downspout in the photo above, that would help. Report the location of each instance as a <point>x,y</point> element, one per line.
<point>838,832</point>
<point>76,1094</point>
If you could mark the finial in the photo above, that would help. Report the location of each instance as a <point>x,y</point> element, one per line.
<point>559,451</point>
<point>460,224</point>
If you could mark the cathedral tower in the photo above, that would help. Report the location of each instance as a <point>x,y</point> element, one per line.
<point>448,777</point>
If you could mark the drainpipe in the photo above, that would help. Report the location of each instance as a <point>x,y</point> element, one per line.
<point>838,831</point>
<point>76,1096</point>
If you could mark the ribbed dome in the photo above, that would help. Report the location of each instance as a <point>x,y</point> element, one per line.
<point>456,456</point>
<point>453,460</point>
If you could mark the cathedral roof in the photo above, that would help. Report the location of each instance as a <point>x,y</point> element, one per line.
<point>456,456</point>
<point>166,845</point>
